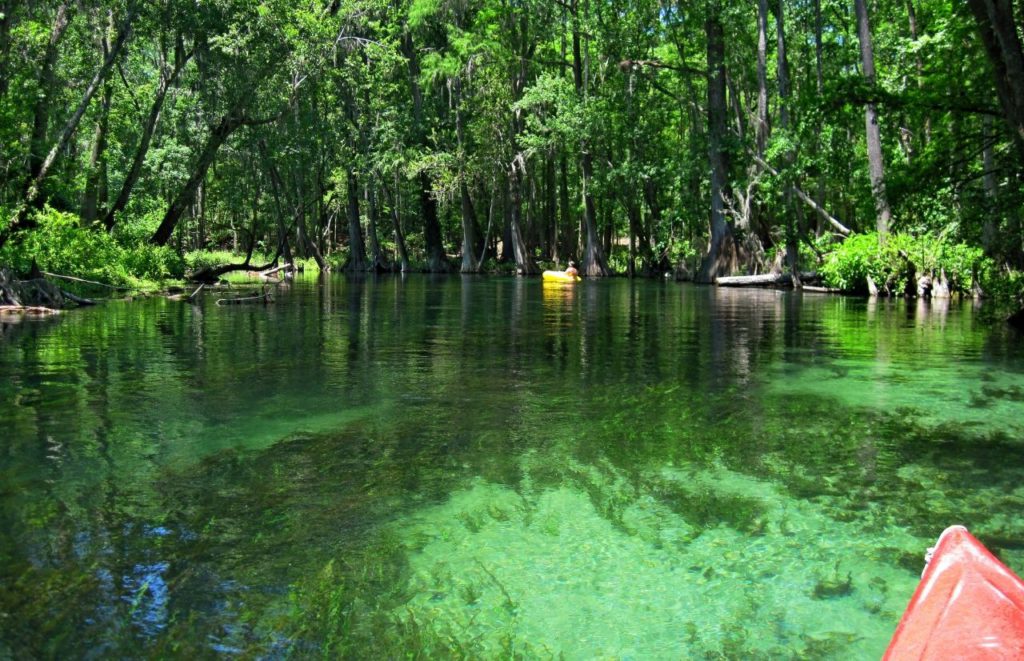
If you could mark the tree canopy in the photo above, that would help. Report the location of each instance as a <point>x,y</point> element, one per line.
<point>713,138</point>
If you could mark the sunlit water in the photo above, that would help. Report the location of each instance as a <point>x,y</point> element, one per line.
<point>494,468</point>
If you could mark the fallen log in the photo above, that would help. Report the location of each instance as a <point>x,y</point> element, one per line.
<point>754,280</point>
<point>181,296</point>
<point>77,299</point>
<point>288,268</point>
<point>763,280</point>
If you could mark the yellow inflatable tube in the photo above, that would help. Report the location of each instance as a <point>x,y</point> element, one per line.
<point>559,276</point>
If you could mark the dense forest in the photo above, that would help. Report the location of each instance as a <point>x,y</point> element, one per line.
<point>872,141</point>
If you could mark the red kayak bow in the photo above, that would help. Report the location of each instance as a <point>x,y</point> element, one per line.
<point>969,605</point>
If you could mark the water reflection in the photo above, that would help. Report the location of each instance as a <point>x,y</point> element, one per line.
<point>170,475</point>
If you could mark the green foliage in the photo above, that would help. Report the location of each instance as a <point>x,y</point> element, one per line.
<point>890,264</point>
<point>445,95</point>
<point>62,245</point>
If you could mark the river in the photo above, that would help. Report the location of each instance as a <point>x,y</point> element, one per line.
<point>471,467</point>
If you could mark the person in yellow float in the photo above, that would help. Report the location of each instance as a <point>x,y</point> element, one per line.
<point>571,270</point>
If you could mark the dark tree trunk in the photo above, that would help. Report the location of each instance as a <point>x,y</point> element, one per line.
<point>722,257</point>
<point>551,207</point>
<point>378,262</point>
<point>47,82</point>
<point>6,21</point>
<point>437,262</point>
<point>356,248</point>
<point>277,188</point>
<point>524,262</point>
<point>135,171</point>
<point>594,263</point>
<point>793,215</point>
<point>876,161</point>
<point>227,125</point>
<point>470,228</point>
<point>470,232</point>
<point>567,218</point>
<point>1000,36</point>
<point>95,195</point>
<point>507,251</point>
<point>307,244</point>
<point>396,222</point>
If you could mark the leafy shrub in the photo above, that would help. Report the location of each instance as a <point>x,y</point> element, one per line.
<point>851,262</point>
<point>154,262</point>
<point>60,244</point>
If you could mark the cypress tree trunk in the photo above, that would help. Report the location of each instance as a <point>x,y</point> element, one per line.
<point>721,257</point>
<point>524,262</point>
<point>437,262</point>
<point>357,249</point>
<point>570,241</point>
<point>470,232</point>
<point>470,228</point>
<point>378,262</point>
<point>793,215</point>
<point>396,222</point>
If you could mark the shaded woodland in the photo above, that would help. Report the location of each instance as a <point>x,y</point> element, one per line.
<point>706,139</point>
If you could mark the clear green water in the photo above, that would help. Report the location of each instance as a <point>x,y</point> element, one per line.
<point>492,468</point>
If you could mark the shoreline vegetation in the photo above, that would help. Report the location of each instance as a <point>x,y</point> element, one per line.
<point>834,146</point>
<point>860,267</point>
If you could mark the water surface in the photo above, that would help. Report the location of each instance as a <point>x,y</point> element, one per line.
<point>490,467</point>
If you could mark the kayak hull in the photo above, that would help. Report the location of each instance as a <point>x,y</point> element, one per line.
<point>968,605</point>
<point>559,276</point>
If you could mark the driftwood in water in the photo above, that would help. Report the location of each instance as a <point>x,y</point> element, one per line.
<point>180,296</point>
<point>32,310</point>
<point>192,296</point>
<point>264,298</point>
